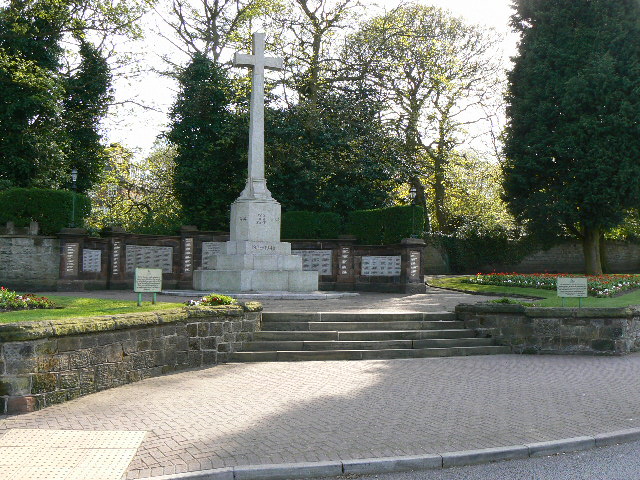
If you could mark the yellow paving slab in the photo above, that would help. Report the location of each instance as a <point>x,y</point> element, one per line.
<point>41,454</point>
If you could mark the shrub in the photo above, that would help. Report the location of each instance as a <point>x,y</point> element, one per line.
<point>52,209</point>
<point>311,225</point>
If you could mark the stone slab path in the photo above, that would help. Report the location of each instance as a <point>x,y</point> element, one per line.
<point>272,413</point>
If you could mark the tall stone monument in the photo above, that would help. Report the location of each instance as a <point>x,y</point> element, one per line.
<point>255,259</point>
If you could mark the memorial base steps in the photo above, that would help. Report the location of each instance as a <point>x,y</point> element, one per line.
<point>362,336</point>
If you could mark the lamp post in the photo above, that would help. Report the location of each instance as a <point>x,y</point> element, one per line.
<point>412,196</point>
<point>74,177</point>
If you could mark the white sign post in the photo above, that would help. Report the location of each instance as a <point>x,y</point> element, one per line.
<point>572,287</point>
<point>147,280</point>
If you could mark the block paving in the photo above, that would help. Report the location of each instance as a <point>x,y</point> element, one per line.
<point>264,413</point>
<point>271,413</point>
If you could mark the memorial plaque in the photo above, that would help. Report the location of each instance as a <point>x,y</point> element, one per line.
<point>343,260</point>
<point>572,287</point>
<point>315,260</point>
<point>414,265</point>
<point>381,266</point>
<point>91,260</point>
<point>142,256</point>
<point>71,252</point>
<point>187,255</point>
<point>115,263</point>
<point>209,251</point>
<point>147,280</point>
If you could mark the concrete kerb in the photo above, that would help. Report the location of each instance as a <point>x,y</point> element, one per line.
<point>370,466</point>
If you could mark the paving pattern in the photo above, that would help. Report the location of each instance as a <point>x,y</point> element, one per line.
<point>45,454</point>
<point>242,414</point>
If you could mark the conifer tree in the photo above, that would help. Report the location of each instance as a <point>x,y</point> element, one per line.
<point>573,136</point>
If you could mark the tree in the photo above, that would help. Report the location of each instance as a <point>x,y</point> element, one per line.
<point>210,142</point>
<point>55,85</point>
<point>437,74</point>
<point>309,30</point>
<point>331,154</point>
<point>207,27</point>
<point>573,135</point>
<point>137,196</point>
<point>85,104</point>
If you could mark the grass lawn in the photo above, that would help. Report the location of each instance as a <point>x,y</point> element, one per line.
<point>82,307</point>
<point>549,296</point>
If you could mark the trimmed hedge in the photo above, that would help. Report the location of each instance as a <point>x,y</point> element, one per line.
<point>385,226</point>
<point>52,209</point>
<point>381,226</point>
<point>311,225</point>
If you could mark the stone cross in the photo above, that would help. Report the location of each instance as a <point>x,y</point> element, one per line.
<point>256,183</point>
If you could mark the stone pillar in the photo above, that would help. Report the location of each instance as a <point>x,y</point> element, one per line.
<point>71,245</point>
<point>413,265</point>
<point>345,273</point>
<point>115,263</point>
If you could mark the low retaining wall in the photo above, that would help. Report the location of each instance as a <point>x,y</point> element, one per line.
<point>49,362</point>
<point>592,331</point>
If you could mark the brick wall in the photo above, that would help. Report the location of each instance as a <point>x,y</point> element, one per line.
<point>29,262</point>
<point>49,362</point>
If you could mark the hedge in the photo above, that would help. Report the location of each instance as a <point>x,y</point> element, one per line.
<point>311,225</point>
<point>381,226</point>
<point>52,209</point>
<point>385,226</point>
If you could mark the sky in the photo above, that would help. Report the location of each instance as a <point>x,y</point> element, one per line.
<point>137,128</point>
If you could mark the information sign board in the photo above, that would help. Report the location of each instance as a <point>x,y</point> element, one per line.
<point>572,287</point>
<point>147,280</point>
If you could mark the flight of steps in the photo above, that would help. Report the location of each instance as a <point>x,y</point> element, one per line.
<point>362,336</point>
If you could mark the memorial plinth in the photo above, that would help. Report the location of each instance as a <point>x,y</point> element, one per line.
<point>254,259</point>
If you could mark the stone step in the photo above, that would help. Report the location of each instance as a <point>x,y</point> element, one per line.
<point>293,356</point>
<point>281,317</point>
<point>267,346</point>
<point>360,326</point>
<point>362,335</point>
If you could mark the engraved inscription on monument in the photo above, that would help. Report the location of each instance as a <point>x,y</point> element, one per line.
<point>187,257</point>
<point>71,251</point>
<point>343,260</point>
<point>381,266</point>
<point>139,256</point>
<point>209,251</point>
<point>91,260</point>
<point>414,265</point>
<point>318,260</point>
<point>115,264</point>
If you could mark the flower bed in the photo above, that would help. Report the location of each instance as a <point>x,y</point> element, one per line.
<point>213,299</point>
<point>597,286</point>
<point>10,300</point>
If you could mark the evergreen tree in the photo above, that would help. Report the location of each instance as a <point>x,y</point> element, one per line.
<point>332,153</point>
<point>31,137</point>
<point>85,104</point>
<point>210,142</point>
<point>573,138</point>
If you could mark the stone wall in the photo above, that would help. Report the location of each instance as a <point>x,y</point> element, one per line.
<point>49,362</point>
<point>592,331</point>
<point>29,262</point>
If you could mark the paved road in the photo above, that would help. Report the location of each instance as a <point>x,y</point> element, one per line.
<point>242,414</point>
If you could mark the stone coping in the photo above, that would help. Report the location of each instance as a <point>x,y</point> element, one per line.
<point>20,331</point>
<point>549,312</point>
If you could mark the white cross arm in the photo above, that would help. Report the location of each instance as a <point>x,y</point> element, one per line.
<point>244,60</point>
